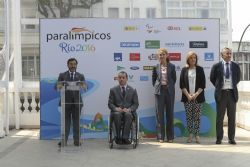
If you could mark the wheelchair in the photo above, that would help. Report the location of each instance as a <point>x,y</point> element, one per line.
<point>134,129</point>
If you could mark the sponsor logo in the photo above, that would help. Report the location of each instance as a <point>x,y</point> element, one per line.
<point>117,56</point>
<point>134,57</point>
<point>134,68</point>
<point>66,47</point>
<point>120,68</point>
<point>175,28</point>
<point>130,28</point>
<point>175,56</point>
<point>148,68</point>
<point>130,44</point>
<point>198,44</point>
<point>152,44</point>
<point>152,57</point>
<point>197,28</point>
<point>78,33</point>
<point>130,78</point>
<point>209,56</point>
<point>174,44</point>
<point>144,78</point>
<point>151,29</point>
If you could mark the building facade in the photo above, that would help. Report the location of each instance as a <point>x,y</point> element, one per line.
<point>19,26</point>
<point>243,58</point>
<point>31,11</point>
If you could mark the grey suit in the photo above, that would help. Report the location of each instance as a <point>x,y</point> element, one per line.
<point>73,109</point>
<point>130,101</point>
<point>225,99</point>
<point>164,99</point>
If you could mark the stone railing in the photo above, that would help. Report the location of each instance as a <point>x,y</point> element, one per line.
<point>29,105</point>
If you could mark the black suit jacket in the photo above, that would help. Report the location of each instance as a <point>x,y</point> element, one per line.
<point>217,76</point>
<point>71,96</point>
<point>200,83</point>
<point>171,78</point>
<point>116,99</point>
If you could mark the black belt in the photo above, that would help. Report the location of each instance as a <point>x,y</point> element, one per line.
<point>164,86</point>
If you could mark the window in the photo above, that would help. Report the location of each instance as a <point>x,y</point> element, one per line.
<point>31,67</point>
<point>219,4</point>
<point>28,9</point>
<point>113,13</point>
<point>174,13</point>
<point>218,13</point>
<point>243,59</point>
<point>202,13</point>
<point>188,4</point>
<point>188,13</point>
<point>202,4</point>
<point>151,13</point>
<point>173,4</point>
<point>136,13</point>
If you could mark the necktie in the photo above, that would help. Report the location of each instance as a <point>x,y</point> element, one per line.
<point>227,71</point>
<point>71,76</point>
<point>123,92</point>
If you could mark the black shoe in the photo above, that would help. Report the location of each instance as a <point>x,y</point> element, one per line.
<point>77,143</point>
<point>126,141</point>
<point>232,142</point>
<point>60,144</point>
<point>218,142</point>
<point>118,141</point>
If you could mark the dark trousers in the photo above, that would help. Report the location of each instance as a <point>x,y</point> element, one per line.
<point>226,103</point>
<point>72,111</point>
<point>127,118</point>
<point>164,102</point>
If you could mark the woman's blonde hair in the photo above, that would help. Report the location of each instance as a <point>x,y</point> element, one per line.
<point>189,54</point>
<point>165,51</point>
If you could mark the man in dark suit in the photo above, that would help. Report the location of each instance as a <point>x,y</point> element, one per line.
<point>225,76</point>
<point>73,100</point>
<point>123,102</point>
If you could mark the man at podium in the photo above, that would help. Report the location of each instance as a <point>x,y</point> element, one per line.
<point>73,99</point>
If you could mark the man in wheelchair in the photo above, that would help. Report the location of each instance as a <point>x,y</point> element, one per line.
<point>123,102</point>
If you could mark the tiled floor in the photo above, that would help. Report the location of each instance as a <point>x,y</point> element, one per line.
<point>24,149</point>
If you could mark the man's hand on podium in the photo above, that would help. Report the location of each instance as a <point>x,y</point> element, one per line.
<point>83,86</point>
<point>59,86</point>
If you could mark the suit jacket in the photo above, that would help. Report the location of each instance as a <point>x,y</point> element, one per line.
<point>200,82</point>
<point>116,99</point>
<point>71,96</point>
<point>171,79</point>
<point>217,75</point>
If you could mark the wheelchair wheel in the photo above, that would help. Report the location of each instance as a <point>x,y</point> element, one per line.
<point>134,145</point>
<point>111,145</point>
